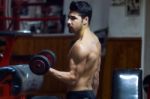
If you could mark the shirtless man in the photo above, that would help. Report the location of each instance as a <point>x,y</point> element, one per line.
<point>84,56</point>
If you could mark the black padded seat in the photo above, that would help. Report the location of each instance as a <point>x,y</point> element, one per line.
<point>127,84</point>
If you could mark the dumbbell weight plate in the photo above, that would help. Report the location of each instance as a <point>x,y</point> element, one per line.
<point>50,55</point>
<point>39,64</point>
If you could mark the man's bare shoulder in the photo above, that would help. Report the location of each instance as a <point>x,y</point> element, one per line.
<point>78,50</point>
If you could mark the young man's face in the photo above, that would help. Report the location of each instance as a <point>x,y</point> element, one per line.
<point>74,22</point>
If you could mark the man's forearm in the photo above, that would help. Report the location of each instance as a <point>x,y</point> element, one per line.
<point>66,77</point>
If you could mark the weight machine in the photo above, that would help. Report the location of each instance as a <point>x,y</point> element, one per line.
<point>10,20</point>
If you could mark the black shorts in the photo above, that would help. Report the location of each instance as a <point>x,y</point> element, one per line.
<point>86,94</point>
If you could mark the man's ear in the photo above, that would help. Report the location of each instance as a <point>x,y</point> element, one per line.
<point>85,20</point>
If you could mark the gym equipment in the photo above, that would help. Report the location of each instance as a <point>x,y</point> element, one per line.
<point>8,39</point>
<point>22,80</point>
<point>127,84</point>
<point>41,62</point>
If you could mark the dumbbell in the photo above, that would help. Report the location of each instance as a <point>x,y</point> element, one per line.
<point>42,61</point>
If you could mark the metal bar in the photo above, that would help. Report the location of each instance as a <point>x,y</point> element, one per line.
<point>52,18</point>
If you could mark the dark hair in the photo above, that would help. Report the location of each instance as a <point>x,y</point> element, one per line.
<point>82,7</point>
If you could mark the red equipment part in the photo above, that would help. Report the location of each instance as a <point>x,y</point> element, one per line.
<point>5,89</point>
<point>8,51</point>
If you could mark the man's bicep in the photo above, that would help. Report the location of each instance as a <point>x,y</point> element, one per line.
<point>73,68</point>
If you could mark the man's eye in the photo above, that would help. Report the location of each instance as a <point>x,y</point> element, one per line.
<point>72,18</point>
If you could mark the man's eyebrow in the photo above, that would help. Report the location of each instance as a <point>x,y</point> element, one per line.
<point>70,16</point>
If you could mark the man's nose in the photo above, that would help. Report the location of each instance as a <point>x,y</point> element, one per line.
<point>68,21</point>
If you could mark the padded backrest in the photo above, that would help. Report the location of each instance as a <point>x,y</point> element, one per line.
<point>127,84</point>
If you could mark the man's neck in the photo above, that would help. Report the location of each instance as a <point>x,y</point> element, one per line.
<point>82,32</point>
